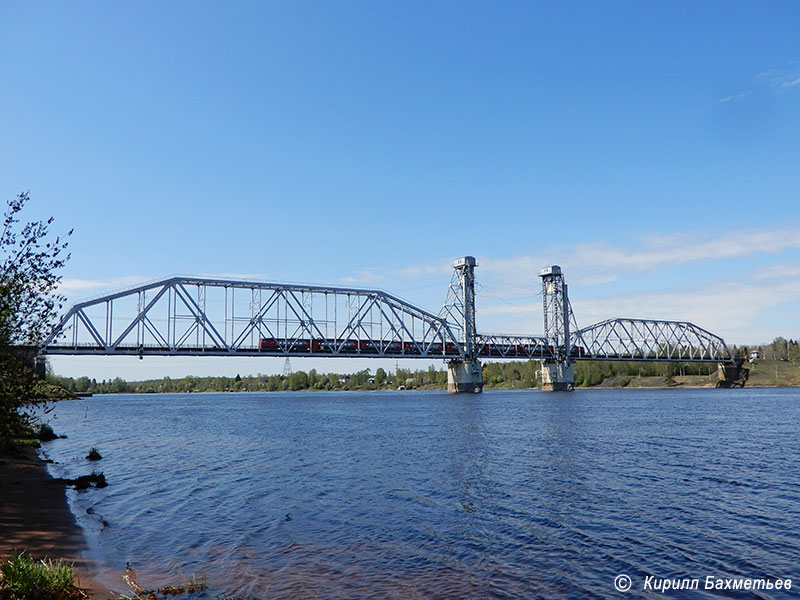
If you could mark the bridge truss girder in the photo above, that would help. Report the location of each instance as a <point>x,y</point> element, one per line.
<point>520,347</point>
<point>215,317</point>
<point>649,340</point>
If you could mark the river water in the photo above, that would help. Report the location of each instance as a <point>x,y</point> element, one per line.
<point>507,494</point>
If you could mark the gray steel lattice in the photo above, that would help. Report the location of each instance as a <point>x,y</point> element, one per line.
<point>459,305</point>
<point>557,312</point>
<point>219,317</point>
<point>201,316</point>
<point>649,340</point>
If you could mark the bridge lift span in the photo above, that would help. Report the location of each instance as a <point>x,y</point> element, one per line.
<point>623,339</point>
<point>194,316</point>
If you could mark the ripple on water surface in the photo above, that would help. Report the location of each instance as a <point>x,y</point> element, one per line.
<point>425,495</point>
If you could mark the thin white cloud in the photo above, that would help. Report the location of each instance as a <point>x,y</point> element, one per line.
<point>741,311</point>
<point>602,262</point>
<point>75,288</point>
<point>778,77</point>
<point>782,270</point>
<point>771,80</point>
<point>730,309</point>
<point>370,275</point>
<point>735,97</point>
<point>588,280</point>
<point>673,250</point>
<point>425,269</point>
<point>792,83</point>
<point>242,276</point>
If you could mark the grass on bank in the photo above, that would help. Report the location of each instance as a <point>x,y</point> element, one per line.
<point>30,436</point>
<point>25,578</point>
<point>774,373</point>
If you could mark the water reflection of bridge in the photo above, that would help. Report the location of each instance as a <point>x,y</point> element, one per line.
<point>193,316</point>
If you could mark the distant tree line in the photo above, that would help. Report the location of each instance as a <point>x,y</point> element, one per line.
<point>430,378</point>
<point>590,373</point>
<point>779,349</point>
<point>496,375</point>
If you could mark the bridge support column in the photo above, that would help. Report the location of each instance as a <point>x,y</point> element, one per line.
<point>40,367</point>
<point>465,374</point>
<point>558,376</point>
<point>732,374</point>
<point>464,377</point>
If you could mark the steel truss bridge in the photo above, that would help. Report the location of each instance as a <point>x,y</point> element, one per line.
<point>196,316</point>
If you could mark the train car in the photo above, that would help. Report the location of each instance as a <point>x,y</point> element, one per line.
<point>410,348</point>
<point>368,347</point>
<point>347,346</point>
<point>268,345</point>
<point>299,346</point>
<point>352,347</point>
<point>393,348</point>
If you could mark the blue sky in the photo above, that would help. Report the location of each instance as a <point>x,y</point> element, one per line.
<point>650,149</point>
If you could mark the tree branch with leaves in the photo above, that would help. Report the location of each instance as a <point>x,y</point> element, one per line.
<point>31,259</point>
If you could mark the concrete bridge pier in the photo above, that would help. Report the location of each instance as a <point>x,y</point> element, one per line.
<point>464,377</point>
<point>732,374</point>
<point>30,357</point>
<point>558,376</point>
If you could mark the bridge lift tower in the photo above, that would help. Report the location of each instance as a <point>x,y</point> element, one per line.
<point>558,374</point>
<point>463,374</point>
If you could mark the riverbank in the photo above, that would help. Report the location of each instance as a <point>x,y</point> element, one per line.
<point>496,375</point>
<point>35,518</point>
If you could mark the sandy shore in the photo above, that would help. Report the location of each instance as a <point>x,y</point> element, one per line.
<point>35,517</point>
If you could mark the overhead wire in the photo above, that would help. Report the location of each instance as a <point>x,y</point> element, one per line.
<point>496,297</point>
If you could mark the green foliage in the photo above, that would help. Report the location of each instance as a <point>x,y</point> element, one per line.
<point>430,378</point>
<point>622,373</point>
<point>794,352</point>
<point>779,349</point>
<point>17,387</point>
<point>45,433</point>
<point>30,261</point>
<point>23,578</point>
<point>298,381</point>
<point>496,375</point>
<point>28,277</point>
<point>511,375</point>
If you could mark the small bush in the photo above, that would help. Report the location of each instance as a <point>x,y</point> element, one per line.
<point>93,455</point>
<point>46,433</point>
<point>23,578</point>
